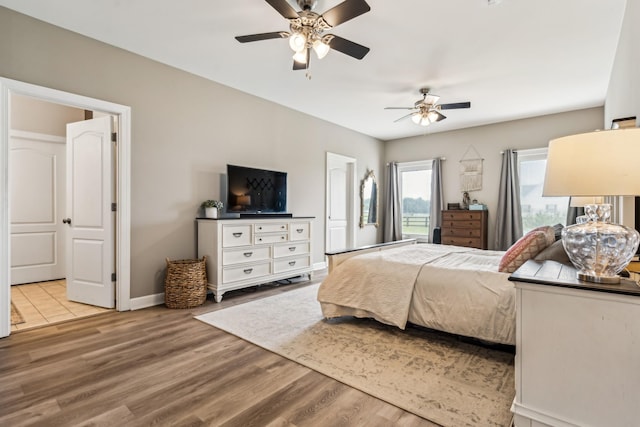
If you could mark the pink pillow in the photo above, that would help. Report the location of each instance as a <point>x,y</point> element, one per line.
<point>549,231</point>
<point>527,247</point>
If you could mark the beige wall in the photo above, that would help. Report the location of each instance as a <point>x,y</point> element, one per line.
<point>33,115</point>
<point>489,141</point>
<point>185,130</point>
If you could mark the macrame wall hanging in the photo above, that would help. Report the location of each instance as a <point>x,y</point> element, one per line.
<point>471,170</point>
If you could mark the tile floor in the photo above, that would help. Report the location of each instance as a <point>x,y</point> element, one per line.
<point>45,303</point>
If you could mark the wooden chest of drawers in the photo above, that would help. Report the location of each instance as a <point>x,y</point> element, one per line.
<point>464,228</point>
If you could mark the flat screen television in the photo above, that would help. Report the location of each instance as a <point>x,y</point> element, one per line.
<point>251,190</point>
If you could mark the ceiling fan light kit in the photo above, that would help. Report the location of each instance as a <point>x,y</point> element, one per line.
<point>307,30</point>
<point>427,110</point>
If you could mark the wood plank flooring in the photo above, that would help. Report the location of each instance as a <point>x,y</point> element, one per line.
<point>162,367</point>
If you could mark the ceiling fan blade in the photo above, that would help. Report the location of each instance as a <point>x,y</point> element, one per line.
<point>430,99</point>
<point>347,47</point>
<point>345,11</point>
<point>399,108</point>
<point>283,8</point>
<point>455,105</point>
<point>440,116</point>
<point>262,36</point>
<point>301,65</point>
<point>403,117</point>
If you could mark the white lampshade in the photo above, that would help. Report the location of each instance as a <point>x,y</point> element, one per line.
<point>594,164</point>
<point>320,48</point>
<point>297,42</point>
<point>300,57</point>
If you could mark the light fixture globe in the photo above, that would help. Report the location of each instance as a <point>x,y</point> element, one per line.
<point>597,248</point>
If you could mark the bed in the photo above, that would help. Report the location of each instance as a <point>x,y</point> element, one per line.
<point>448,288</point>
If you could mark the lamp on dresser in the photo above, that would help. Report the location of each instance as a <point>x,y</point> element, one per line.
<point>596,164</point>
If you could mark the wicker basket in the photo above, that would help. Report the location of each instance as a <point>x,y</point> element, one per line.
<point>186,283</point>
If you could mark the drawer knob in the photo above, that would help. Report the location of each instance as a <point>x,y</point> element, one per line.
<point>282,237</point>
<point>237,234</point>
<point>260,239</point>
<point>292,249</point>
<point>260,228</point>
<point>292,263</point>
<point>247,270</point>
<point>282,227</point>
<point>248,254</point>
<point>299,230</point>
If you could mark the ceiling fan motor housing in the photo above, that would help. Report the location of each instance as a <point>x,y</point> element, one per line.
<point>307,4</point>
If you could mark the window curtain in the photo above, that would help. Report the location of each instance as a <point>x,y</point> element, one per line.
<point>437,201</point>
<point>509,213</point>
<point>392,229</point>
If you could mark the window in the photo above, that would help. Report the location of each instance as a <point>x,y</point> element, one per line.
<point>414,180</point>
<point>537,210</point>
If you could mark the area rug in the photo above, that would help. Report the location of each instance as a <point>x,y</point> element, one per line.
<point>433,375</point>
<point>16,316</point>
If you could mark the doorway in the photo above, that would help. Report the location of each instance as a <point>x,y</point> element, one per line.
<point>8,88</point>
<point>340,216</point>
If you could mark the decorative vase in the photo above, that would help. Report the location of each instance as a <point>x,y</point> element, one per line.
<point>211,212</point>
<point>598,248</point>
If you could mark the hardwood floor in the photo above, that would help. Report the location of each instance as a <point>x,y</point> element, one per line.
<point>162,367</point>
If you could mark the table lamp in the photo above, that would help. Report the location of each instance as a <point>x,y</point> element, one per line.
<point>596,164</point>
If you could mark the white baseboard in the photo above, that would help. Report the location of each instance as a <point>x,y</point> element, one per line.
<point>147,301</point>
<point>158,299</point>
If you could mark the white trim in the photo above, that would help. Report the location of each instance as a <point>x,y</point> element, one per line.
<point>147,301</point>
<point>317,266</point>
<point>123,216</point>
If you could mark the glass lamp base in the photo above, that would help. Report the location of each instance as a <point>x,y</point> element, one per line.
<point>609,280</point>
<point>599,249</point>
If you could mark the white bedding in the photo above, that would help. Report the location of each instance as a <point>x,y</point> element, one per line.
<point>448,288</point>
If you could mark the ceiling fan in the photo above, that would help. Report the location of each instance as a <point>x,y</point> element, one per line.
<point>427,110</point>
<point>307,30</point>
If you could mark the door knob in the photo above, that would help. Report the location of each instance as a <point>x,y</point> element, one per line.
<point>66,221</point>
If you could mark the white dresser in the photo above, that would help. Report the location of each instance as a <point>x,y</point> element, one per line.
<point>246,252</point>
<point>577,349</point>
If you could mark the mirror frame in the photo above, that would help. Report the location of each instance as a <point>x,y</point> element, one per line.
<point>369,175</point>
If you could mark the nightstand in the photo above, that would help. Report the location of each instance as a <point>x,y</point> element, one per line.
<point>577,349</point>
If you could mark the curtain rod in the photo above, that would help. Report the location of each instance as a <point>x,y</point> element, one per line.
<point>416,161</point>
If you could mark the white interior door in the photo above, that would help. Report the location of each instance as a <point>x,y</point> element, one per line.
<point>340,202</point>
<point>89,219</point>
<point>37,189</point>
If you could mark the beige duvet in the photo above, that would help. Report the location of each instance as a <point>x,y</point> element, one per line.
<point>448,288</point>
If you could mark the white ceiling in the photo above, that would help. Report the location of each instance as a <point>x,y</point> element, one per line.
<point>511,60</point>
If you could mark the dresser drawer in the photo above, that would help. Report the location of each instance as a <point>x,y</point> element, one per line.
<point>462,232</point>
<point>290,264</point>
<point>235,274</point>
<point>462,224</point>
<point>270,228</point>
<point>300,231</point>
<point>269,238</point>
<point>290,249</point>
<point>236,235</point>
<point>462,215</point>
<point>463,241</point>
<point>237,256</point>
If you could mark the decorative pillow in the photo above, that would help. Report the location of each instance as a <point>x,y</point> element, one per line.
<point>555,252</point>
<point>527,247</point>
<point>549,231</point>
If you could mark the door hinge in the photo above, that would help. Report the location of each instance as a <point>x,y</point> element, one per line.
<point>114,136</point>
<point>114,207</point>
<point>113,277</point>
